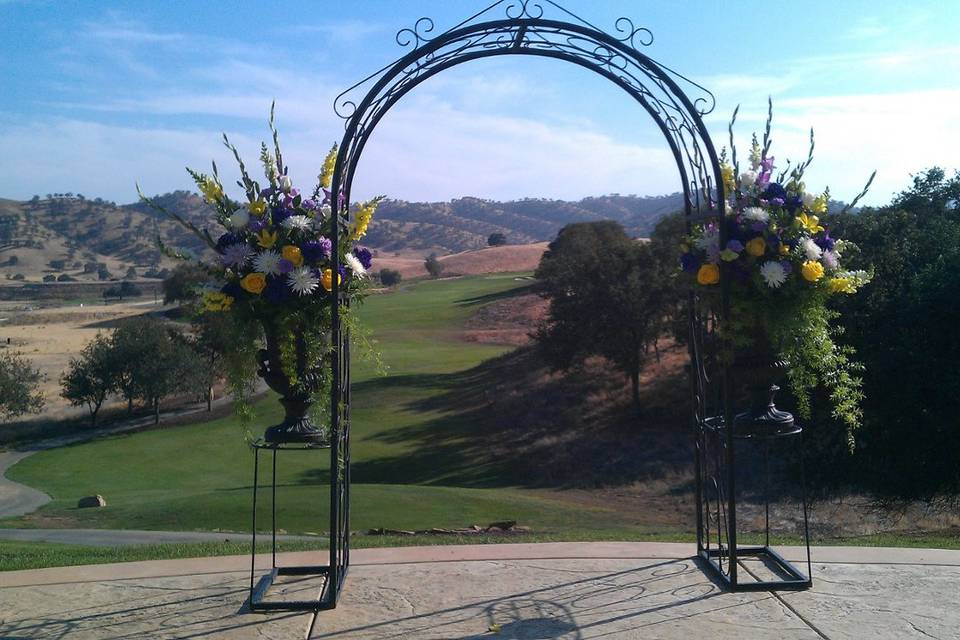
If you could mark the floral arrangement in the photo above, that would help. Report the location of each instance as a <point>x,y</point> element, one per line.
<point>784,266</point>
<point>275,263</point>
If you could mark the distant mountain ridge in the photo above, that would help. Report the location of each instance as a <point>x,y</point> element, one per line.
<point>63,234</point>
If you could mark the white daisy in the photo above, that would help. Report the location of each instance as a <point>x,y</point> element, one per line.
<point>267,261</point>
<point>297,223</point>
<point>811,249</point>
<point>239,219</point>
<point>302,281</point>
<point>758,214</point>
<point>773,274</point>
<point>354,263</point>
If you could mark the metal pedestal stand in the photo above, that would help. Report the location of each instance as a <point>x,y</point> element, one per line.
<point>334,572</point>
<point>724,556</point>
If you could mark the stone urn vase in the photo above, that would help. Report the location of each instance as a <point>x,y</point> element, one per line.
<point>297,426</point>
<point>758,370</point>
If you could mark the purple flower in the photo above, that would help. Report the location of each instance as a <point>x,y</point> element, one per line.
<point>758,226</point>
<point>775,190</point>
<point>236,255</point>
<point>327,194</point>
<point>689,262</point>
<point>825,242</point>
<point>257,225</point>
<point>277,290</point>
<point>735,246</point>
<point>316,250</point>
<point>285,265</point>
<point>793,203</point>
<point>232,289</point>
<point>364,256</point>
<point>227,239</point>
<point>280,214</point>
<point>787,267</point>
<point>777,202</point>
<point>309,204</point>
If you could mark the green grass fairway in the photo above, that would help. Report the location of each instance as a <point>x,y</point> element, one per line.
<point>199,477</point>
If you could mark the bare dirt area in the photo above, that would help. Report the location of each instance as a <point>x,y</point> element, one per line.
<point>49,337</point>
<point>507,258</point>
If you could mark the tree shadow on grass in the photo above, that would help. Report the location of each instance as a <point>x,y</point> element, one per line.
<point>509,422</point>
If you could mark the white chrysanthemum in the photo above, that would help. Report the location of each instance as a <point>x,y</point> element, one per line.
<point>748,179</point>
<point>757,214</point>
<point>354,263</point>
<point>267,261</point>
<point>302,281</point>
<point>239,220</point>
<point>811,249</point>
<point>831,259</point>
<point>297,223</point>
<point>773,274</point>
<point>710,238</point>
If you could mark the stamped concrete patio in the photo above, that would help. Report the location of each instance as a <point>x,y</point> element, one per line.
<point>567,591</point>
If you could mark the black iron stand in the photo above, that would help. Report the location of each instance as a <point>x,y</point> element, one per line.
<point>720,550</point>
<point>334,572</point>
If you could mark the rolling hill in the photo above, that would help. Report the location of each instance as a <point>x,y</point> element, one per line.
<point>67,236</point>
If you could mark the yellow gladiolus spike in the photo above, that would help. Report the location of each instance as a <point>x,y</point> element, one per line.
<point>326,173</point>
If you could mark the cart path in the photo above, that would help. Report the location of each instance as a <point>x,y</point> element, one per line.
<point>122,537</point>
<point>18,499</point>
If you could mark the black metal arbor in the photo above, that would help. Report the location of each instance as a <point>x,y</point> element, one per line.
<point>523,27</point>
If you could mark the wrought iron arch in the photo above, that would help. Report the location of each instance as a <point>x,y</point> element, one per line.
<point>524,29</point>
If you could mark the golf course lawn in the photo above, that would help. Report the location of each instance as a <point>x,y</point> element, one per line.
<point>199,477</point>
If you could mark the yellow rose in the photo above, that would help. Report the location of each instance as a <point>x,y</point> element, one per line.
<point>257,207</point>
<point>757,247</point>
<point>708,274</point>
<point>812,270</point>
<point>254,283</point>
<point>326,279</point>
<point>266,239</point>
<point>292,254</point>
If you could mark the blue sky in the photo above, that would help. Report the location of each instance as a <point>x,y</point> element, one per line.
<point>99,95</point>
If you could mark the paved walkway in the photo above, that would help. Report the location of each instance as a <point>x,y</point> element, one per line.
<point>563,591</point>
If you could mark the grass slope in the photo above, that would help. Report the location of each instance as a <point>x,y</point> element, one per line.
<point>200,476</point>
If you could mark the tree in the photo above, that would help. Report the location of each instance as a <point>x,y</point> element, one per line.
<point>151,362</point>
<point>103,273</point>
<point>131,273</point>
<point>433,266</point>
<point>182,283</point>
<point>19,387</point>
<point>497,240</point>
<point>903,327</point>
<point>390,277</point>
<point>213,336</point>
<point>90,378</point>
<point>607,297</point>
